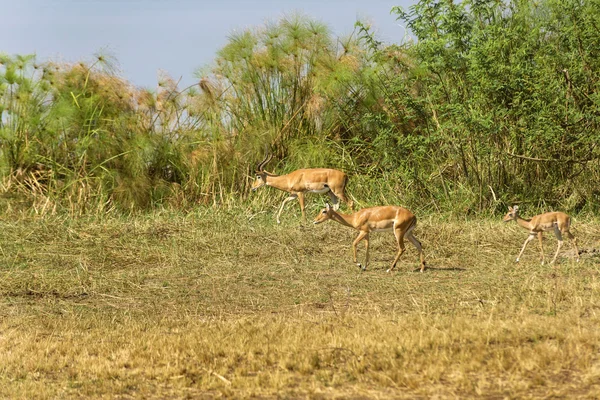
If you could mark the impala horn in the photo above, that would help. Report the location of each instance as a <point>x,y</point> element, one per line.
<point>265,161</point>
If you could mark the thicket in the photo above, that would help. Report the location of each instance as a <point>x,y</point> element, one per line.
<point>487,103</point>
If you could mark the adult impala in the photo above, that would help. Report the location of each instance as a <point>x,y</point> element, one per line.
<point>377,219</point>
<point>296,183</point>
<point>558,222</point>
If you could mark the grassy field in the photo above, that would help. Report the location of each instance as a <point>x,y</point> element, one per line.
<point>228,304</point>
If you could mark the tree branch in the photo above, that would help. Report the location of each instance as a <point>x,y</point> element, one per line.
<point>568,161</point>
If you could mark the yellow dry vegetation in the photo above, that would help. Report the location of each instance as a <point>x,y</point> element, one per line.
<point>225,303</point>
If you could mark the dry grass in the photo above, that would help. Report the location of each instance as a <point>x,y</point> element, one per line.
<point>227,304</point>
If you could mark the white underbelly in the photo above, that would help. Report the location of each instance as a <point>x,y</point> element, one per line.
<point>382,230</point>
<point>549,227</point>
<point>324,190</point>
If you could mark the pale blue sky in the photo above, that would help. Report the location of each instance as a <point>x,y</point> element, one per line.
<point>178,36</point>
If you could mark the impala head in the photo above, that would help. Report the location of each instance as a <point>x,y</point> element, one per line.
<point>513,213</point>
<point>324,214</point>
<point>261,175</point>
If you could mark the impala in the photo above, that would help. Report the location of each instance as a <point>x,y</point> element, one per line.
<point>558,222</point>
<point>377,219</point>
<point>296,183</point>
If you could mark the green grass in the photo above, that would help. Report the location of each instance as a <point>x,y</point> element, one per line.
<point>220,303</point>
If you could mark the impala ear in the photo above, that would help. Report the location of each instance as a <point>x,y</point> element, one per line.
<point>515,208</point>
<point>327,206</point>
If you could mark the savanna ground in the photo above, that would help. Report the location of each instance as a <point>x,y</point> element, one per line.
<point>220,303</point>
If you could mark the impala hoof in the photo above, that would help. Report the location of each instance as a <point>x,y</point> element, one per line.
<point>388,270</point>
<point>517,260</point>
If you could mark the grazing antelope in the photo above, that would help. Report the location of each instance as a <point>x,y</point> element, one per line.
<point>315,180</point>
<point>559,222</point>
<point>377,219</point>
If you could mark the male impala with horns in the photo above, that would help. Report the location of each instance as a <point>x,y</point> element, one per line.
<point>301,181</point>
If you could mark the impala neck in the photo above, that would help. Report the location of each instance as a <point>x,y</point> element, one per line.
<point>277,181</point>
<point>525,223</point>
<point>343,219</point>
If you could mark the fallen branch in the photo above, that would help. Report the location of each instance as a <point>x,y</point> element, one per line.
<point>221,377</point>
<point>568,161</point>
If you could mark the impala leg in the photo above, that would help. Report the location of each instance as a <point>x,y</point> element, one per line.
<point>366,252</point>
<point>342,196</point>
<point>301,201</point>
<point>419,247</point>
<point>529,239</point>
<point>334,200</point>
<point>349,202</point>
<point>574,241</point>
<point>539,235</point>
<point>360,237</point>
<point>560,242</point>
<point>292,197</point>
<point>341,193</point>
<point>400,241</point>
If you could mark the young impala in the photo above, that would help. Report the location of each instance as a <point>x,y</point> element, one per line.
<point>377,219</point>
<point>558,222</point>
<point>296,183</point>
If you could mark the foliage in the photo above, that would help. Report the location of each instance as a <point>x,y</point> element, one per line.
<point>511,89</point>
<point>488,103</point>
